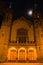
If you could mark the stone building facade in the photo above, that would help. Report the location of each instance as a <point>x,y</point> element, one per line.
<point>21,40</point>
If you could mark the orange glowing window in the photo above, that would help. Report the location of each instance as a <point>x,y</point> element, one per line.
<point>12,54</point>
<point>32,55</point>
<point>21,54</point>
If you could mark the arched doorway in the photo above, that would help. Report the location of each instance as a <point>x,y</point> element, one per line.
<point>32,54</point>
<point>22,54</point>
<point>12,54</point>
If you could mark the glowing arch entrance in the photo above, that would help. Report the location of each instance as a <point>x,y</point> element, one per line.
<point>32,54</point>
<point>12,54</point>
<point>22,54</point>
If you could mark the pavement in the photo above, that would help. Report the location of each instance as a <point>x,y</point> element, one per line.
<point>8,63</point>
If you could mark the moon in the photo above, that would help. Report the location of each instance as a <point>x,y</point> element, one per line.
<point>30,12</point>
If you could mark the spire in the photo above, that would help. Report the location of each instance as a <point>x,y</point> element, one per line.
<point>35,4</point>
<point>10,5</point>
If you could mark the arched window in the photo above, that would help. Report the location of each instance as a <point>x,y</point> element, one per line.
<point>32,54</point>
<point>22,54</point>
<point>22,35</point>
<point>12,54</point>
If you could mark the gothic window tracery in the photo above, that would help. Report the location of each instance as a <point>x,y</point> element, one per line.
<point>22,35</point>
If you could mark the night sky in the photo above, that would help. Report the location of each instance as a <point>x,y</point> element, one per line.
<point>20,7</point>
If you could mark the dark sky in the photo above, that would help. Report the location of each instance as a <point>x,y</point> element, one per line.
<point>21,6</point>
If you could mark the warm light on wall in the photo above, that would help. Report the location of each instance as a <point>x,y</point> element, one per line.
<point>22,48</point>
<point>32,54</point>
<point>12,53</point>
<point>12,48</point>
<point>22,54</point>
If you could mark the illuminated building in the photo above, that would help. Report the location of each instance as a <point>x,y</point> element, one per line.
<point>21,40</point>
